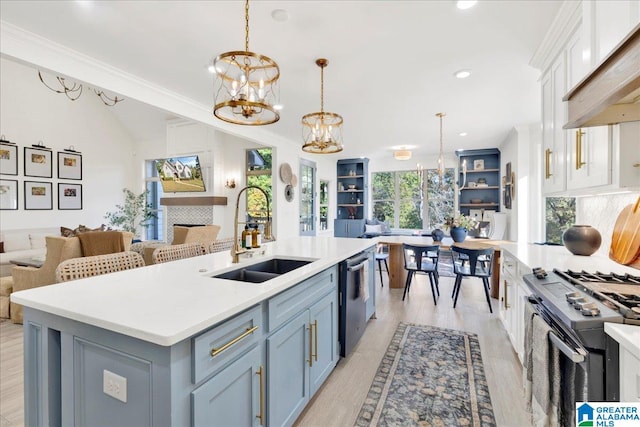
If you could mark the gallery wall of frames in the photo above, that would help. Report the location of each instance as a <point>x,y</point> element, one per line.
<point>37,165</point>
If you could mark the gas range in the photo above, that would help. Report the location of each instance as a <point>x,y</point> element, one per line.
<point>619,292</point>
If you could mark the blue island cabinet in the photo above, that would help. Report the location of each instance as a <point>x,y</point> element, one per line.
<point>248,370</point>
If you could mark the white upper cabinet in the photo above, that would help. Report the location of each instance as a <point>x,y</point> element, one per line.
<point>607,22</point>
<point>591,159</point>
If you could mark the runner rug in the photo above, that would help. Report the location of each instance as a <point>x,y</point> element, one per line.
<point>429,376</point>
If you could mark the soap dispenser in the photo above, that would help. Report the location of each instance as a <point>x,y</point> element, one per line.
<point>246,233</point>
<point>256,237</point>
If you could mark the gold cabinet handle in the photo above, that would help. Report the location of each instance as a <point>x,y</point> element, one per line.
<point>216,351</point>
<point>506,303</point>
<point>579,162</point>
<point>310,345</point>
<point>547,163</point>
<point>260,416</point>
<point>315,339</point>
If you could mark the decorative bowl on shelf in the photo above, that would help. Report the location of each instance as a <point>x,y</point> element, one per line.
<point>352,187</point>
<point>476,201</point>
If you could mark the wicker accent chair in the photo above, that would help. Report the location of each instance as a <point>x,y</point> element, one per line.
<point>221,245</point>
<point>176,252</point>
<point>79,268</point>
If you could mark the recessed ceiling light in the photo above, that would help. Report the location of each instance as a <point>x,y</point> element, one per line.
<point>462,74</point>
<point>462,134</point>
<point>465,4</point>
<point>280,15</point>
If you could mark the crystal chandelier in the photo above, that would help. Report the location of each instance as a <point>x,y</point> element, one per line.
<point>441,156</point>
<point>246,86</point>
<point>322,132</point>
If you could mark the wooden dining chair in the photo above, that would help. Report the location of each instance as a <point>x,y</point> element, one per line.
<point>421,259</point>
<point>472,263</point>
<point>176,252</point>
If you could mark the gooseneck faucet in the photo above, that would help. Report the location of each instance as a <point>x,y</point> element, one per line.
<point>236,250</point>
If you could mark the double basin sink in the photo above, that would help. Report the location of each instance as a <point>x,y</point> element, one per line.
<point>263,271</point>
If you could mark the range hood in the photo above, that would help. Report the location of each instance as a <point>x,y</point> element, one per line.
<point>611,92</point>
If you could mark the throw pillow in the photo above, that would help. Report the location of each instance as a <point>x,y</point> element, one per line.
<point>373,221</point>
<point>385,226</point>
<point>372,229</point>
<point>66,232</point>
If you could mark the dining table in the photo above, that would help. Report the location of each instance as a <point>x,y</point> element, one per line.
<point>398,275</point>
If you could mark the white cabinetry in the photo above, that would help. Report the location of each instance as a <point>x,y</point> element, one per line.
<point>628,338</point>
<point>593,159</point>
<point>513,293</point>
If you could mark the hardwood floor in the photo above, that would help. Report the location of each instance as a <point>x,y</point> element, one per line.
<point>339,400</point>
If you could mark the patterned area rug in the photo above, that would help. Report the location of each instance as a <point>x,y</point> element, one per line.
<point>429,377</point>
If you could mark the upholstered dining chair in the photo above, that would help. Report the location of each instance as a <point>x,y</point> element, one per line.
<point>421,259</point>
<point>176,252</point>
<point>471,263</point>
<point>79,268</point>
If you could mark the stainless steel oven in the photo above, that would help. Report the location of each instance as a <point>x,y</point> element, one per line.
<point>589,358</point>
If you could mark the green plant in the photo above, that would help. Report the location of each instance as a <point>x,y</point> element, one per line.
<point>460,220</point>
<point>134,213</point>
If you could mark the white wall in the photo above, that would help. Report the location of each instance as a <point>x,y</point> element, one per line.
<point>29,112</point>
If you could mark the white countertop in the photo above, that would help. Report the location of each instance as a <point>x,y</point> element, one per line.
<point>550,257</point>
<point>628,336</point>
<point>166,303</point>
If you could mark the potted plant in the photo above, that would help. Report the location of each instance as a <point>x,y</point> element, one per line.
<point>134,214</point>
<point>459,225</point>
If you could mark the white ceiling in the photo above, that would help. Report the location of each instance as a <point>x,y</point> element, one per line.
<point>391,63</point>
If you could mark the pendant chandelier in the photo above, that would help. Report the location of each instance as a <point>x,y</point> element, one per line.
<point>441,156</point>
<point>322,132</point>
<point>246,86</point>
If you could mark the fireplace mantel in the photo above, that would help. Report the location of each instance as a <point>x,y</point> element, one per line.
<point>194,201</point>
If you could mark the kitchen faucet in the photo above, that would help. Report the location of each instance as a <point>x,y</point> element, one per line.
<point>236,250</point>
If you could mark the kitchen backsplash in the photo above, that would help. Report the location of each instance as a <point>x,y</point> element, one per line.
<point>601,212</point>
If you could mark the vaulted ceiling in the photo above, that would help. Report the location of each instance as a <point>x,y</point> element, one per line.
<point>391,63</point>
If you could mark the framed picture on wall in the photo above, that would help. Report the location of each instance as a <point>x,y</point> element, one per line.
<point>37,162</point>
<point>69,196</point>
<point>69,165</point>
<point>38,195</point>
<point>8,158</point>
<point>8,194</point>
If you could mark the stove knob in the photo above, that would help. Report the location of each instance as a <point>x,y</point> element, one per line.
<point>578,303</point>
<point>576,300</point>
<point>570,295</point>
<point>590,309</point>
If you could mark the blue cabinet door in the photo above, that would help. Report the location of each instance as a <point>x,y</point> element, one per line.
<point>324,321</point>
<point>287,371</point>
<point>231,397</point>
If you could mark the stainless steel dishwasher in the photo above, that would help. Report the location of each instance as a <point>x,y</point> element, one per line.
<point>352,319</point>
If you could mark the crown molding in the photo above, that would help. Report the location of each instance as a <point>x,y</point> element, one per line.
<point>34,50</point>
<point>564,24</point>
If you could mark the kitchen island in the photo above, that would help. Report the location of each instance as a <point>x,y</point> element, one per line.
<point>168,344</point>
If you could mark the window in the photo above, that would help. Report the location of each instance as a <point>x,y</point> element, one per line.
<point>152,184</point>
<point>259,164</point>
<point>560,214</point>
<point>324,204</point>
<point>405,198</point>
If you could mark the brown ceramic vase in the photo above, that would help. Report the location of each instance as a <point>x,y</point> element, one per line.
<point>582,239</point>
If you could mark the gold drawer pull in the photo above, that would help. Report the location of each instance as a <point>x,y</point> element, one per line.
<point>579,162</point>
<point>547,163</point>
<point>216,351</point>
<point>260,416</point>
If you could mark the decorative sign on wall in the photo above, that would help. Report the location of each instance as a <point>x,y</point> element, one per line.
<point>8,157</point>
<point>38,195</point>
<point>37,161</point>
<point>8,194</point>
<point>509,187</point>
<point>69,196</point>
<point>69,164</point>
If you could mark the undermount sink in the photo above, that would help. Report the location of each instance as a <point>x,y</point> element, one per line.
<point>263,271</point>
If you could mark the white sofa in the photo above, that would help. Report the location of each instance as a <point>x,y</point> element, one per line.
<point>23,243</point>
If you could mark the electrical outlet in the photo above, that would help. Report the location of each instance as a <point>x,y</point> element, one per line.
<point>114,385</point>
